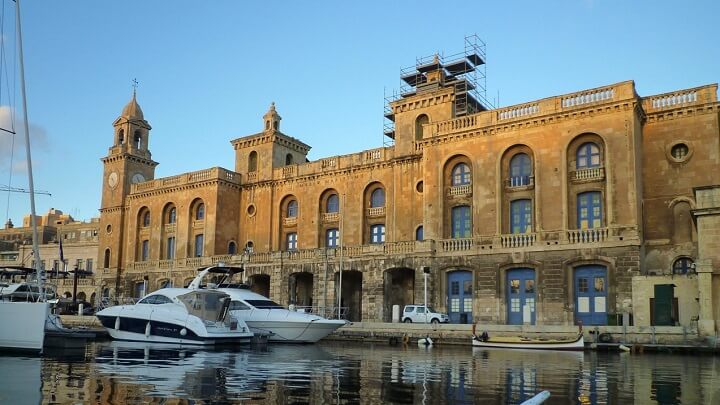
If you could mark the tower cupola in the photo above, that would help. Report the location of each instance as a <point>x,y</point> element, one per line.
<point>272,119</point>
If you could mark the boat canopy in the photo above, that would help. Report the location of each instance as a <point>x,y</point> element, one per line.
<point>207,305</point>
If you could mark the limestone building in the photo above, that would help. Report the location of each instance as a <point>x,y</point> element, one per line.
<point>547,212</point>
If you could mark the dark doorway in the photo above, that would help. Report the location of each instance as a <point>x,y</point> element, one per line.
<point>351,294</point>
<point>300,289</point>
<point>399,289</point>
<point>260,283</point>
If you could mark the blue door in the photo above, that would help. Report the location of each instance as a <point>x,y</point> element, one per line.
<point>521,296</point>
<point>591,295</point>
<point>460,297</point>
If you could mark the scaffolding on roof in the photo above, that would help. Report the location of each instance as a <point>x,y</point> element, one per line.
<point>465,71</point>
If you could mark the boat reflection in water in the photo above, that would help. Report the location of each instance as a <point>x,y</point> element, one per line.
<point>344,372</point>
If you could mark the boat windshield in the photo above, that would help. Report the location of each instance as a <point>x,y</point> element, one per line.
<point>206,304</point>
<point>264,304</point>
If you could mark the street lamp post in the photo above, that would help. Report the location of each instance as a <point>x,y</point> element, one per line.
<point>426,271</point>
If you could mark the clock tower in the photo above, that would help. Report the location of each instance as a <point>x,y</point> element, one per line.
<point>128,161</point>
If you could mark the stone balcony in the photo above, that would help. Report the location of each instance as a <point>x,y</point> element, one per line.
<point>330,217</point>
<point>482,245</point>
<point>460,191</point>
<point>376,212</point>
<point>588,175</point>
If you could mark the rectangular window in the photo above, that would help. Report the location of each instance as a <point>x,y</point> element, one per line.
<point>291,240</point>
<point>79,264</point>
<point>56,265</point>
<point>332,237</point>
<point>89,264</point>
<point>589,206</point>
<point>599,284</point>
<point>145,250</point>
<point>461,222</point>
<point>377,234</point>
<point>42,264</point>
<point>530,286</point>
<point>583,285</point>
<point>170,252</point>
<point>514,286</point>
<point>199,242</point>
<point>455,288</point>
<point>467,287</point>
<point>521,216</point>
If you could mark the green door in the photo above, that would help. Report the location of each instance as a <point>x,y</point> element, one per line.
<point>664,295</point>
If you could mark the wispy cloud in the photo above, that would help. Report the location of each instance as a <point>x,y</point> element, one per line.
<point>10,143</point>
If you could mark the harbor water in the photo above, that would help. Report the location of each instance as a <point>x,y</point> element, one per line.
<point>106,372</point>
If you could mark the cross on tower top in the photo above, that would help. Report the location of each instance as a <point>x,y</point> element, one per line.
<point>134,86</point>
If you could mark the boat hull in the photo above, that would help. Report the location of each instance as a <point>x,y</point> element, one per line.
<point>531,344</point>
<point>295,332</point>
<point>143,330</point>
<point>23,325</point>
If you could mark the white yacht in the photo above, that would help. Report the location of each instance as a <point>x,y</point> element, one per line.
<point>176,315</point>
<point>264,316</point>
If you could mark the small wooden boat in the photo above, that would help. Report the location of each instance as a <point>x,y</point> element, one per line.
<point>517,342</point>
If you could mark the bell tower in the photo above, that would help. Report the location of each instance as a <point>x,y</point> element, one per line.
<point>128,162</point>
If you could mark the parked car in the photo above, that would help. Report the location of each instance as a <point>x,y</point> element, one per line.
<point>420,314</point>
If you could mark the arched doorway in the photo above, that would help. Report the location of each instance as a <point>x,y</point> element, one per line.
<point>351,294</point>
<point>520,296</point>
<point>460,294</point>
<point>590,288</point>
<point>399,289</point>
<point>300,289</point>
<point>260,283</point>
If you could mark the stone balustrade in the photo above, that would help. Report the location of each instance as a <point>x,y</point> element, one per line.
<point>520,181</point>
<point>215,173</point>
<point>520,111</point>
<point>518,240</point>
<point>376,212</point>
<point>458,191</point>
<point>592,235</point>
<point>591,174</point>
<point>252,176</point>
<point>487,244</point>
<point>330,217</point>
<point>587,97</point>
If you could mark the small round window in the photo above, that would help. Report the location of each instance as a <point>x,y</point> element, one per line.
<point>251,210</point>
<point>108,228</point>
<point>679,151</point>
<point>419,187</point>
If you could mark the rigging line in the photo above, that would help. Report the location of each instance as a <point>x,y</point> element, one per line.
<point>3,64</point>
<point>2,44</point>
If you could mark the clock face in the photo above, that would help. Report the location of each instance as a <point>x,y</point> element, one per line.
<point>138,178</point>
<point>113,179</point>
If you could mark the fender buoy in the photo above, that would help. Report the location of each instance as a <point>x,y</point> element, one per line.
<point>183,332</point>
<point>147,330</point>
<point>117,323</point>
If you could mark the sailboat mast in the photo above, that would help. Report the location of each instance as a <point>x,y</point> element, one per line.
<point>33,219</point>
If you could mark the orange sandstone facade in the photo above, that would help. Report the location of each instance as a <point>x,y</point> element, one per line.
<point>540,213</point>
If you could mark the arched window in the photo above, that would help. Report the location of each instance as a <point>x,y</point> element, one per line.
<point>292,209</point>
<point>333,204</point>
<point>249,246</point>
<point>461,222</point>
<point>252,162</point>
<point>172,216</point>
<point>288,159</point>
<point>137,140</point>
<point>419,122</point>
<point>419,234</point>
<point>146,219</point>
<point>520,170</point>
<point>588,156</point>
<point>121,136</point>
<point>377,198</point>
<point>682,265</point>
<point>232,248</point>
<point>461,175</point>
<point>106,260</point>
<point>200,212</point>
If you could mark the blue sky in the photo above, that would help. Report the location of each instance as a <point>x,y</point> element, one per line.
<point>208,71</point>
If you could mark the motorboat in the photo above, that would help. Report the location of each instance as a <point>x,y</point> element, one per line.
<point>176,315</point>
<point>263,315</point>
<point>17,285</point>
<point>518,342</point>
<point>22,311</point>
